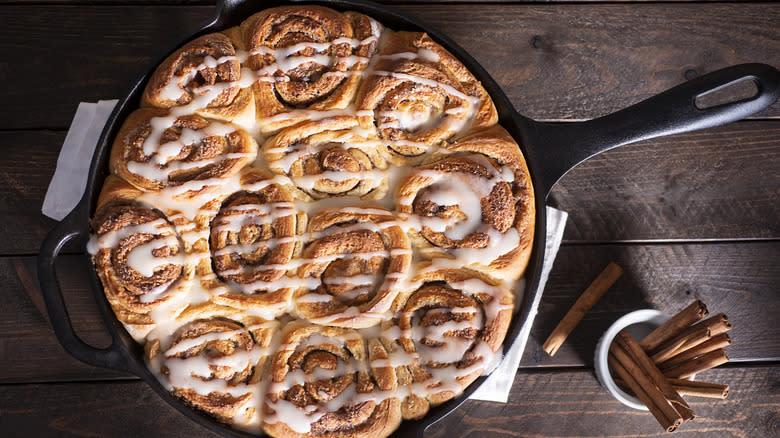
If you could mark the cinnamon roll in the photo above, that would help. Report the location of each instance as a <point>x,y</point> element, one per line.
<point>138,256</point>
<point>354,263</point>
<point>321,385</point>
<point>216,364</point>
<point>445,333</point>
<point>419,95</point>
<point>473,201</point>
<point>154,150</point>
<point>203,76</point>
<point>305,58</point>
<point>252,238</point>
<point>206,248</point>
<point>328,158</point>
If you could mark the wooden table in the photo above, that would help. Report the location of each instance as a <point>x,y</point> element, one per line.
<point>690,216</point>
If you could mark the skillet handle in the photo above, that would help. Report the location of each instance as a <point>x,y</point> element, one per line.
<point>562,146</point>
<point>109,357</point>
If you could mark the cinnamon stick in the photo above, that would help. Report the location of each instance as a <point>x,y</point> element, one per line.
<point>663,412</point>
<point>701,363</point>
<point>691,337</point>
<point>638,356</point>
<point>588,298</point>
<point>712,344</point>
<point>700,389</point>
<point>685,340</point>
<point>675,325</point>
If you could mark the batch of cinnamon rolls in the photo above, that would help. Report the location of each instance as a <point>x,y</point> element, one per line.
<point>314,225</point>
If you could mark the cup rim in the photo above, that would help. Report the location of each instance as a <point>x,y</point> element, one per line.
<point>602,352</point>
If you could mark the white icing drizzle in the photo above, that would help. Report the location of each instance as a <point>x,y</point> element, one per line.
<point>191,204</point>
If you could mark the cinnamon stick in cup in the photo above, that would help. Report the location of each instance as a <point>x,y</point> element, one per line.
<point>588,298</point>
<point>640,385</point>
<point>674,326</point>
<point>656,377</point>
<point>700,389</point>
<point>712,344</point>
<point>701,363</point>
<point>692,337</point>
<point>687,339</point>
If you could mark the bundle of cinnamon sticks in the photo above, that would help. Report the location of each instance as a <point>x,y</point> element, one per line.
<point>656,368</point>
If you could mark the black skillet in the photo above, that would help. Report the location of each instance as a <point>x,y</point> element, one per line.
<point>550,149</point>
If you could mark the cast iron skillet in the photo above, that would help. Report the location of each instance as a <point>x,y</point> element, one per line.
<point>550,150</point>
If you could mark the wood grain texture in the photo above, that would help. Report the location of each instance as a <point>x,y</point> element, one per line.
<point>679,187</point>
<point>543,404</point>
<point>28,348</point>
<point>693,186</point>
<point>556,62</point>
<point>26,166</point>
<point>739,280</point>
<point>568,404</point>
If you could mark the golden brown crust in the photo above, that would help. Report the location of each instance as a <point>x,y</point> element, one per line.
<point>192,149</point>
<point>420,95</point>
<point>251,240</point>
<point>205,236</point>
<point>178,80</point>
<point>474,201</point>
<point>451,322</point>
<point>229,359</point>
<point>138,256</point>
<point>329,157</point>
<point>333,361</point>
<point>329,81</point>
<point>358,260</point>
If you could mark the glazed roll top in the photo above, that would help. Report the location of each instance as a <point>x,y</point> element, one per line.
<point>446,331</point>
<point>321,385</point>
<point>473,202</point>
<point>306,58</point>
<point>355,262</point>
<point>217,364</point>
<point>188,154</point>
<point>419,95</point>
<point>330,157</point>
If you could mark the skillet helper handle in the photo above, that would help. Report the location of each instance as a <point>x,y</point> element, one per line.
<point>674,111</point>
<point>109,357</point>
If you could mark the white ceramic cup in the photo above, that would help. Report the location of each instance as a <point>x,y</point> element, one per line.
<point>638,324</point>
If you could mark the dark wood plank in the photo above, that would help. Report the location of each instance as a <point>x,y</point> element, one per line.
<point>566,404</point>
<point>737,279</point>
<point>27,341</point>
<point>26,167</point>
<point>713,184</point>
<point>696,186</point>
<point>542,404</point>
<point>556,62</point>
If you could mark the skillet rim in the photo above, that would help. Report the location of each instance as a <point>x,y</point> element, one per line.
<point>227,12</point>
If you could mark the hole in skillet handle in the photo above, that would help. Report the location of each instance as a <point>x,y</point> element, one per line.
<point>74,226</point>
<point>741,90</point>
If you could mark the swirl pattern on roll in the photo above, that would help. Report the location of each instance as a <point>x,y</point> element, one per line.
<point>445,333</point>
<point>216,364</point>
<point>473,202</point>
<point>306,58</point>
<point>355,262</point>
<point>252,238</point>
<point>329,158</point>
<point>321,385</point>
<point>138,257</point>
<point>207,66</point>
<point>379,230</point>
<point>419,95</point>
<point>154,150</point>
